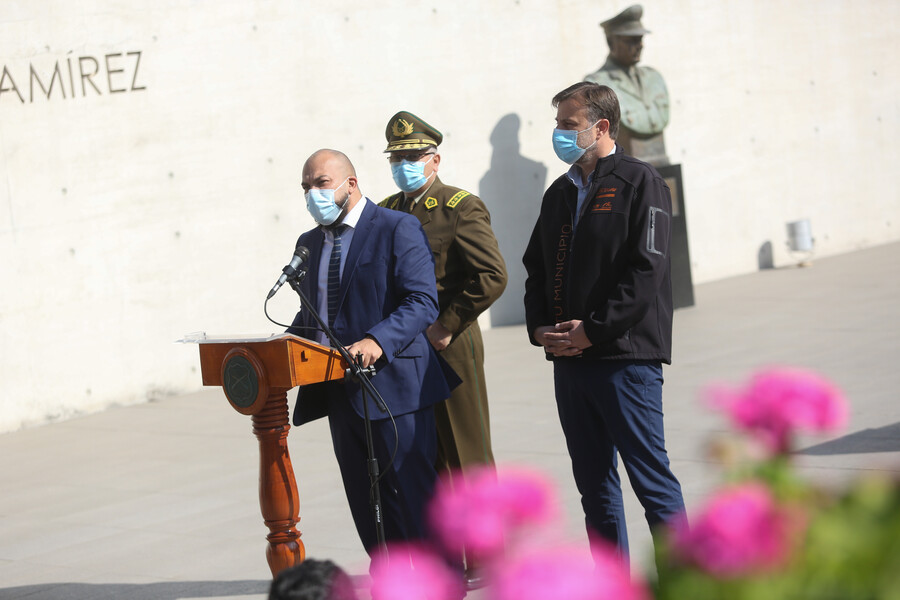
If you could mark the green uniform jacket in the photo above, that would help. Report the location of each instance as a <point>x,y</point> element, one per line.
<point>468,266</point>
<point>470,275</point>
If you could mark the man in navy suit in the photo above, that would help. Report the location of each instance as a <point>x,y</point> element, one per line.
<point>371,276</point>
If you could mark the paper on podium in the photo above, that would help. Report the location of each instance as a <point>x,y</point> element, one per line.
<point>201,337</point>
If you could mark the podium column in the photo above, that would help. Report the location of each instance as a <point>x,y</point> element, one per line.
<point>256,374</point>
<point>279,500</point>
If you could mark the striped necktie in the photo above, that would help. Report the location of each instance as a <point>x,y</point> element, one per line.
<point>334,275</point>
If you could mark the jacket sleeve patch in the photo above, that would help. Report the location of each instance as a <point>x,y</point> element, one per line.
<point>658,231</point>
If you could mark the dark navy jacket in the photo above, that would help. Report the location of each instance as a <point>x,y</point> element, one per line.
<point>613,270</point>
<point>387,292</point>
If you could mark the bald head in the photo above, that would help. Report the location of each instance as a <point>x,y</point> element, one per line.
<point>331,169</point>
<point>335,160</point>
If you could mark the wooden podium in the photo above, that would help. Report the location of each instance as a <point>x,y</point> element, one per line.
<point>256,374</point>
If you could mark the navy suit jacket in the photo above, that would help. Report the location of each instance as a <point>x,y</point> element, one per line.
<point>388,292</point>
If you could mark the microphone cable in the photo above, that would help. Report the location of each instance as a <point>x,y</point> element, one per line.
<point>266,311</point>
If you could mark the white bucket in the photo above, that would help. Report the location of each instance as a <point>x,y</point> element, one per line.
<point>800,236</point>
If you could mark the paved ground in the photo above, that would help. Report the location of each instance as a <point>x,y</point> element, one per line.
<point>159,501</point>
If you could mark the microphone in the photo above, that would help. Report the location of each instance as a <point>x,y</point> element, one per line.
<point>290,270</point>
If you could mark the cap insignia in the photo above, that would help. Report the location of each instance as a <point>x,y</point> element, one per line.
<point>402,128</point>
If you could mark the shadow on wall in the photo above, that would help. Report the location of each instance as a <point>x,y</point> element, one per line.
<point>512,190</point>
<point>766,257</point>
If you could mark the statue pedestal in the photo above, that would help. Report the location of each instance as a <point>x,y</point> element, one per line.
<point>650,149</point>
<point>682,282</point>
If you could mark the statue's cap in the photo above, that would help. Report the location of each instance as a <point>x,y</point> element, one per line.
<point>406,131</point>
<point>627,22</point>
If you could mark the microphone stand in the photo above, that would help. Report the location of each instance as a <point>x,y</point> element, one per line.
<point>361,375</point>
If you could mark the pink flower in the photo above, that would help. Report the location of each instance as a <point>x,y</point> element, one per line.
<point>566,572</point>
<point>408,572</point>
<point>777,402</point>
<point>740,530</point>
<point>484,511</point>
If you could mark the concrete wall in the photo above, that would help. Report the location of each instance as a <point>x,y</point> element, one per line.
<point>150,153</point>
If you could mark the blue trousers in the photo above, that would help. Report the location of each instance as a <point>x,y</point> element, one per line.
<point>608,407</point>
<point>407,484</point>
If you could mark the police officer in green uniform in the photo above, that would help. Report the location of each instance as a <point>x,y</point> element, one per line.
<point>642,93</point>
<point>470,273</point>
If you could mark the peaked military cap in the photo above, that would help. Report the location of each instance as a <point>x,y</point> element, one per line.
<point>406,131</point>
<point>627,22</point>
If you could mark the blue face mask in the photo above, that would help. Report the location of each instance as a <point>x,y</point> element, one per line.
<point>410,176</point>
<point>565,144</point>
<point>321,205</point>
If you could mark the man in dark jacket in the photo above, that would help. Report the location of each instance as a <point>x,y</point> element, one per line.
<point>598,299</point>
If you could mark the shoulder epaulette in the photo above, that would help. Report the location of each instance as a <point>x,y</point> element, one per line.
<point>387,201</point>
<point>456,198</point>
